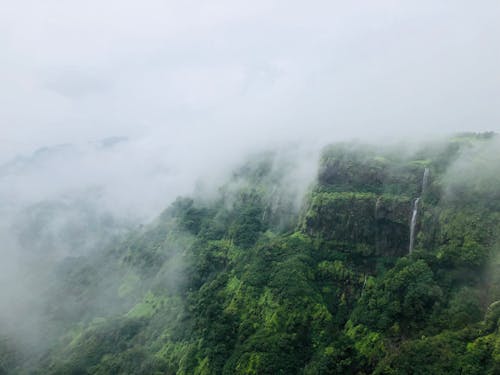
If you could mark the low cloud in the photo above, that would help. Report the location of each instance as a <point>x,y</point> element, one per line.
<point>133,104</point>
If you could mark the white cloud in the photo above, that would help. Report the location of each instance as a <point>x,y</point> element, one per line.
<point>84,70</point>
<point>224,76</point>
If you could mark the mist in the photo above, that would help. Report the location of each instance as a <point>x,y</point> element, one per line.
<point>246,72</point>
<point>111,111</point>
<point>139,103</point>
<point>476,172</point>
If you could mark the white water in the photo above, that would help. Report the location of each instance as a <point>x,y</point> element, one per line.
<point>414,215</point>
<point>413,223</point>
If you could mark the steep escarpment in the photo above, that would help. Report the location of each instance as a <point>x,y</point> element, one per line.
<point>362,222</point>
<point>250,282</point>
<point>363,200</point>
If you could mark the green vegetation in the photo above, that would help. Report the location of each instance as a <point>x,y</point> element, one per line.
<point>245,285</point>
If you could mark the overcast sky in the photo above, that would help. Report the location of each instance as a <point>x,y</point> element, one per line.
<point>244,71</point>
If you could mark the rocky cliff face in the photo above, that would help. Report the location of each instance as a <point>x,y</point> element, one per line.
<point>362,222</point>
<point>363,201</point>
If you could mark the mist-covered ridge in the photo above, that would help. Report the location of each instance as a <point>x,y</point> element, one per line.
<point>291,265</point>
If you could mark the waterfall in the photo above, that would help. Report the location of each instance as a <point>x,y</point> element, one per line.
<point>414,215</point>
<point>413,223</point>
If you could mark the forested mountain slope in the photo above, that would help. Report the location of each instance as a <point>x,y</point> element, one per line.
<point>252,282</point>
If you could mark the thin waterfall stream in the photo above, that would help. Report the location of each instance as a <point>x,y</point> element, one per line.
<point>413,224</point>
<point>414,215</point>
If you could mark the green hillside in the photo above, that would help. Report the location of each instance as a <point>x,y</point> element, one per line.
<point>251,282</point>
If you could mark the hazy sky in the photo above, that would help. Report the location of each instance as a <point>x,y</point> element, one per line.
<point>244,71</point>
<point>195,85</point>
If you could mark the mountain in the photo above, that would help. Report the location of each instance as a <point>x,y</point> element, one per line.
<point>389,264</point>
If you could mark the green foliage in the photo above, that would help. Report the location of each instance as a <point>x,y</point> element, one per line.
<point>402,301</point>
<point>466,236</point>
<point>435,355</point>
<point>247,222</point>
<point>364,222</point>
<point>220,288</point>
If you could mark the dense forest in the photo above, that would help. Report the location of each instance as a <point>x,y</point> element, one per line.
<point>256,280</point>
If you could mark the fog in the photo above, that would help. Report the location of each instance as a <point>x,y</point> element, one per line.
<point>244,72</point>
<point>110,110</point>
<point>476,172</point>
<point>193,87</point>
